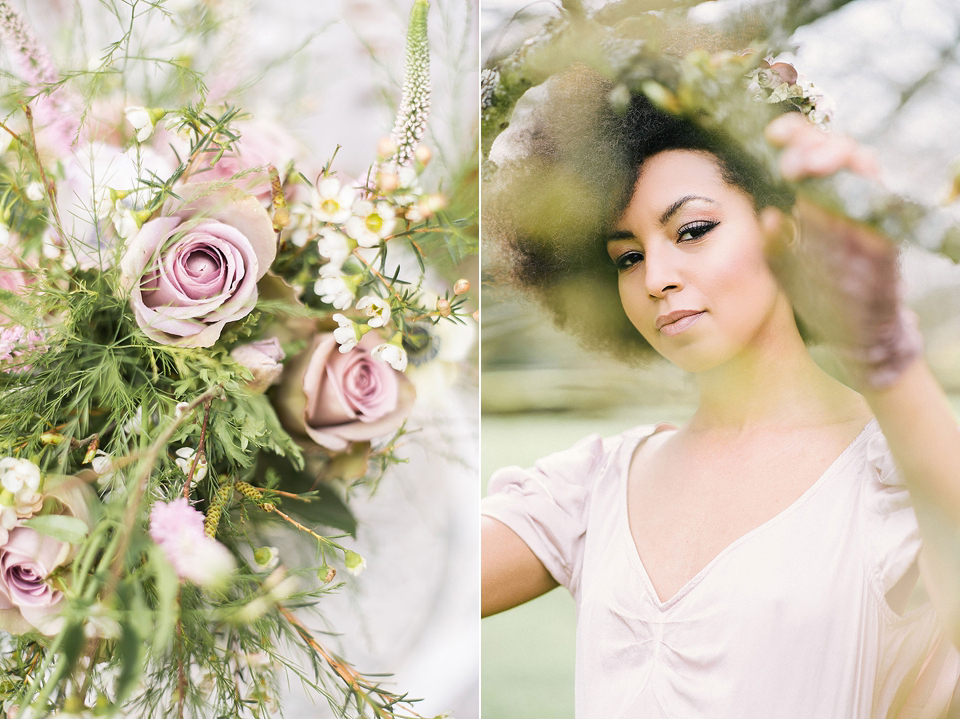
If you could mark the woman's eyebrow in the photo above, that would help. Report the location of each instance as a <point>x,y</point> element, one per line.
<point>670,211</point>
<point>618,235</point>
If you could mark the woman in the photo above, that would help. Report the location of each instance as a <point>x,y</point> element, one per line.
<point>764,560</point>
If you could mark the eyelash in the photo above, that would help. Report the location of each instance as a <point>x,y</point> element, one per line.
<point>696,230</point>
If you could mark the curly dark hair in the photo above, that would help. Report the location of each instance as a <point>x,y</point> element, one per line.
<point>563,173</point>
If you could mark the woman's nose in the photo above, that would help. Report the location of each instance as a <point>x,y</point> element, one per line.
<point>661,272</point>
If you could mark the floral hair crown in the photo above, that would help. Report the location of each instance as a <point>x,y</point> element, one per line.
<point>776,82</point>
<point>633,50</point>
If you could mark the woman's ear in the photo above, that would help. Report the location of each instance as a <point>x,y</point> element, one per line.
<point>781,231</point>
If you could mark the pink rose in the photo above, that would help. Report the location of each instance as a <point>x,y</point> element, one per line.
<point>196,267</point>
<point>27,558</point>
<point>337,398</point>
<point>264,360</point>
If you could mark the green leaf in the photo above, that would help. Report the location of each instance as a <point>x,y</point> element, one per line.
<point>167,588</point>
<point>59,526</point>
<point>128,654</point>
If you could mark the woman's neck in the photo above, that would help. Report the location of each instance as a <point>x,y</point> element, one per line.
<point>773,383</point>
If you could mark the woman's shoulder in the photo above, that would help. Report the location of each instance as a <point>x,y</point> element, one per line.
<point>582,462</point>
<point>600,450</point>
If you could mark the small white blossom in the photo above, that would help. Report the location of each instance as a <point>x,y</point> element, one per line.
<point>334,291</point>
<point>346,334</point>
<point>22,479</point>
<point>134,425</point>
<point>124,221</point>
<point>143,120</point>
<point>8,521</point>
<point>34,192</point>
<point>332,202</point>
<point>371,223</point>
<point>393,355</point>
<point>377,309</point>
<point>17,474</point>
<point>334,246</point>
<point>354,562</point>
<point>300,236</point>
<point>184,460</point>
<point>180,409</point>
<point>101,464</point>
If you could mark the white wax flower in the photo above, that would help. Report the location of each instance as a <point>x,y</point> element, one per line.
<point>393,355</point>
<point>34,192</point>
<point>266,558</point>
<point>333,246</point>
<point>101,464</point>
<point>18,474</point>
<point>124,221</point>
<point>143,120</point>
<point>371,223</point>
<point>334,291</point>
<point>377,309</point>
<point>184,460</point>
<point>332,202</point>
<point>346,334</point>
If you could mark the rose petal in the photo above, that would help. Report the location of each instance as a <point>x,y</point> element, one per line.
<point>363,431</point>
<point>233,208</point>
<point>366,387</point>
<point>142,249</point>
<point>320,410</point>
<point>12,621</point>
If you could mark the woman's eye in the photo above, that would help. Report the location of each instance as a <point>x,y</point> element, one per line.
<point>627,260</point>
<point>695,230</point>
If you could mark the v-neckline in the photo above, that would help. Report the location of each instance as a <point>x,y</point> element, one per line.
<point>663,605</point>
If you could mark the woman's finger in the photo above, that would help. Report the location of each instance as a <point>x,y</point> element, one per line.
<point>811,152</point>
<point>818,159</point>
<point>786,127</point>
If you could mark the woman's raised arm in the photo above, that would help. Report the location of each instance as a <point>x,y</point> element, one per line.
<point>511,574</point>
<point>845,284</point>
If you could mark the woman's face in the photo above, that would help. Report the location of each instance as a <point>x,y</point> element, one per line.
<point>689,253</point>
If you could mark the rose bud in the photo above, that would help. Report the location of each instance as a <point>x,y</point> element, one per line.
<point>264,359</point>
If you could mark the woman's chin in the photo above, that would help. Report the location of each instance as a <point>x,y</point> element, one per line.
<point>696,355</point>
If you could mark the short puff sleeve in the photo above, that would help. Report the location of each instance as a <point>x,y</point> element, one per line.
<point>547,505</point>
<point>892,533</point>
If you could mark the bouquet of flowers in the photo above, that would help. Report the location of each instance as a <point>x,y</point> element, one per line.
<point>202,337</point>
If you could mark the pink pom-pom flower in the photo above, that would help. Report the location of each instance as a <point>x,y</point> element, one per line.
<point>178,529</point>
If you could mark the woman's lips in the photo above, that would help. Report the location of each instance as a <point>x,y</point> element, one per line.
<point>676,322</point>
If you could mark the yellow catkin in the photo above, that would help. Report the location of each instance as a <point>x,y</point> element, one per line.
<point>250,492</point>
<point>219,501</point>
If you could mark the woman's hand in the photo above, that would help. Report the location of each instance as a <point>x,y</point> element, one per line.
<point>808,151</point>
<point>842,278</point>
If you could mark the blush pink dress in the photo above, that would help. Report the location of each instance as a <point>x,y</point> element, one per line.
<point>791,621</point>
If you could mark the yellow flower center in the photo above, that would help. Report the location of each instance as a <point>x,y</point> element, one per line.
<point>374,223</point>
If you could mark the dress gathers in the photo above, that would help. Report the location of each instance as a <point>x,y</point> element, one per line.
<point>790,621</point>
